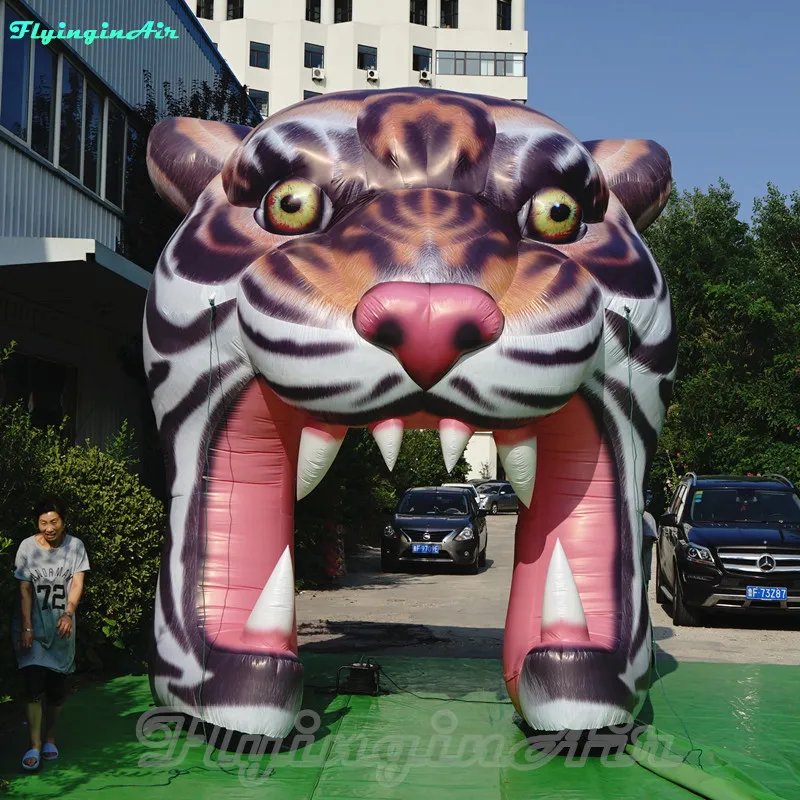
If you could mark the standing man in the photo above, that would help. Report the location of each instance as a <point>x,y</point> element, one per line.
<point>50,567</point>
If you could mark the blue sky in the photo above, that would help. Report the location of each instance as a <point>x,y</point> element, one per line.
<point>716,82</point>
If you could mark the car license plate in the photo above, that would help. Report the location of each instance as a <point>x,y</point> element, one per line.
<point>427,549</point>
<point>766,592</point>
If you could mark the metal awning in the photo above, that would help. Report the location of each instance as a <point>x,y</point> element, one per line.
<point>47,249</point>
<point>76,276</point>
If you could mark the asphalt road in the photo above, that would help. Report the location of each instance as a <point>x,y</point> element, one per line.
<point>435,611</point>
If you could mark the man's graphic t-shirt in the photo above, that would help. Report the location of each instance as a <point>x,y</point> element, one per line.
<point>50,571</point>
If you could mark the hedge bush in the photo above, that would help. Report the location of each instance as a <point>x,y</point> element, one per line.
<point>120,522</point>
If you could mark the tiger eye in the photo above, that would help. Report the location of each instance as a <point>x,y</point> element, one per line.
<point>293,207</point>
<point>554,217</point>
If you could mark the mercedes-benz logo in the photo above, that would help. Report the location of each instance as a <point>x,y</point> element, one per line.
<point>766,562</point>
<point>427,537</point>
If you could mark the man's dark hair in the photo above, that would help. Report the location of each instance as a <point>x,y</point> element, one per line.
<point>48,504</point>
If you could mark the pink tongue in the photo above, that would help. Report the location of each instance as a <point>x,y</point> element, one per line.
<point>250,517</point>
<point>574,501</point>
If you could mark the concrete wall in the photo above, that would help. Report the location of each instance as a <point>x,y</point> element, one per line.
<point>481,449</point>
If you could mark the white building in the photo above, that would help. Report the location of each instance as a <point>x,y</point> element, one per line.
<point>481,455</point>
<point>67,117</point>
<point>294,49</point>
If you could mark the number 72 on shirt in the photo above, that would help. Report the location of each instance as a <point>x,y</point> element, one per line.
<point>54,596</point>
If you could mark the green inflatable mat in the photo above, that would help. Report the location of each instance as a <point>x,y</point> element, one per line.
<point>444,729</point>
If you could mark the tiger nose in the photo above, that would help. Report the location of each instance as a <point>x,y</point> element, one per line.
<point>428,326</point>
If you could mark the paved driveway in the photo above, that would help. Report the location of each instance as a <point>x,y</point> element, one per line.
<point>440,612</point>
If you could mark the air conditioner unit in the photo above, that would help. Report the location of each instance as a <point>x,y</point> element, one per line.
<point>372,74</point>
<point>318,74</point>
<point>425,76</point>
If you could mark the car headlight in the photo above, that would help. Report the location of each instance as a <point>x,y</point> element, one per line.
<point>389,532</point>
<point>464,535</point>
<point>699,554</point>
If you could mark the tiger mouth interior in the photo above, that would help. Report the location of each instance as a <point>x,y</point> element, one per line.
<point>567,559</point>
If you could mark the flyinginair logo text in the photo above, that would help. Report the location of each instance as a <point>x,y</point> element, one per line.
<point>158,30</point>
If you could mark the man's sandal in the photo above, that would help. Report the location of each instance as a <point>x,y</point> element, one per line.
<point>49,752</point>
<point>32,753</point>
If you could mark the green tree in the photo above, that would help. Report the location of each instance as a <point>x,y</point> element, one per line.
<point>421,463</point>
<point>736,404</point>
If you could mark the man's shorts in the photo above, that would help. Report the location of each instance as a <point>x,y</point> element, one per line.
<point>41,682</point>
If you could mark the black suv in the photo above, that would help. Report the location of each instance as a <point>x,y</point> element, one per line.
<point>729,543</point>
<point>439,524</point>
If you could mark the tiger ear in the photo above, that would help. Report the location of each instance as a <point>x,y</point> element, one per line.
<point>184,155</point>
<point>638,172</point>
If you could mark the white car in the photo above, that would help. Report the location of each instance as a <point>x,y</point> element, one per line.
<point>466,486</point>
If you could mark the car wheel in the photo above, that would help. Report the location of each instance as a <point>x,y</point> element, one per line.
<point>474,567</point>
<point>493,509</point>
<point>388,563</point>
<point>482,558</point>
<point>682,615</point>
<point>661,596</point>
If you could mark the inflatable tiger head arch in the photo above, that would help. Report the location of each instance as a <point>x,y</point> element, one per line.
<point>401,259</point>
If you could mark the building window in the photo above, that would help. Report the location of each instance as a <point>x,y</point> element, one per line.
<point>459,62</point>
<point>314,10</point>
<point>449,14</point>
<point>504,15</point>
<point>205,9</point>
<point>308,95</point>
<point>261,100</point>
<point>521,102</point>
<point>235,9</point>
<point>69,152</point>
<point>16,74</point>
<point>43,117</point>
<point>367,57</point>
<point>115,160</point>
<point>343,11</point>
<point>259,55</point>
<point>315,56</point>
<point>81,147</point>
<point>92,139</point>
<point>419,12</point>
<point>421,58</point>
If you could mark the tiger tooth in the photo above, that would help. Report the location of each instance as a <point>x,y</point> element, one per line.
<point>519,462</point>
<point>453,437</point>
<point>274,609</point>
<point>319,445</point>
<point>562,610</point>
<point>389,436</point>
